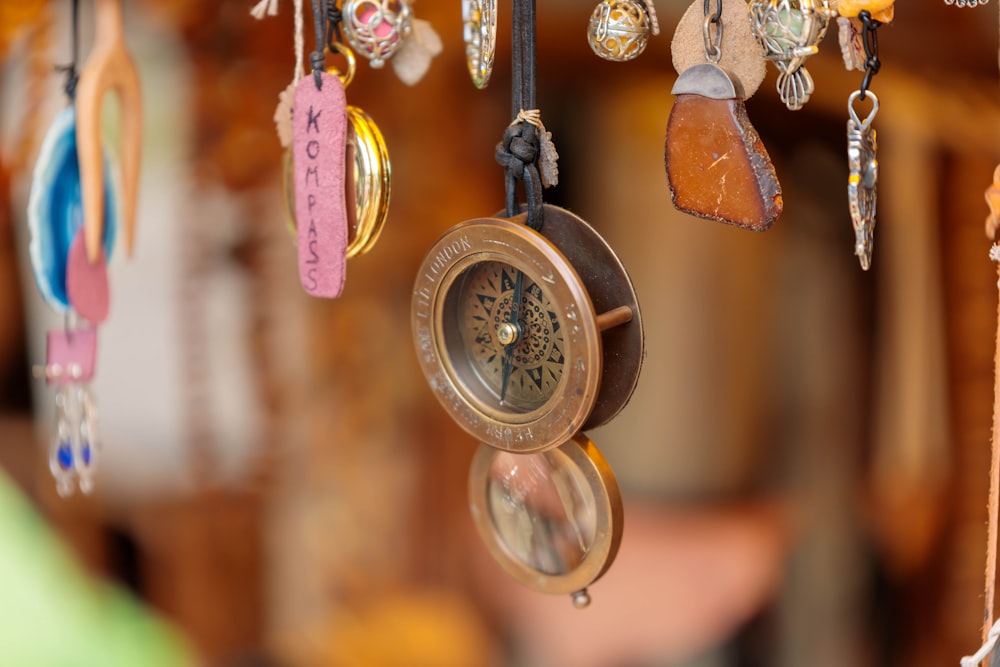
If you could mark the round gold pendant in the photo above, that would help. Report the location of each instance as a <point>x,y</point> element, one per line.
<point>526,375</point>
<point>552,520</point>
<point>368,180</point>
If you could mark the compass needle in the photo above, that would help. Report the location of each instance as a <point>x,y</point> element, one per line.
<point>513,337</point>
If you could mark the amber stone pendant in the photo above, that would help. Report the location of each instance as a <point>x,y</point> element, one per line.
<point>717,166</point>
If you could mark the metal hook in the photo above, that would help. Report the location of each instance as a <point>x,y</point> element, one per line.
<point>348,75</point>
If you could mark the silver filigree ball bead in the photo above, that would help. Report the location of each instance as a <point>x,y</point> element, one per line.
<point>619,29</point>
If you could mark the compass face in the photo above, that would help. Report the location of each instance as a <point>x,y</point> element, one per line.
<point>524,382</point>
<point>486,299</point>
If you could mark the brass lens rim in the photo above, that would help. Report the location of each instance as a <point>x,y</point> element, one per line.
<point>601,483</point>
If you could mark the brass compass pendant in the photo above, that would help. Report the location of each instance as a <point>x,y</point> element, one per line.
<point>568,360</point>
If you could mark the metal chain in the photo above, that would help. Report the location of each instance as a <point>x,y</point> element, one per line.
<point>869,38</point>
<point>713,37</point>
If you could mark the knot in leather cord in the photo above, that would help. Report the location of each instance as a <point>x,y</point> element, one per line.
<point>518,154</point>
<point>518,149</point>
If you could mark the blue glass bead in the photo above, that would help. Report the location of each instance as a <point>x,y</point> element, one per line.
<point>86,453</point>
<point>64,455</point>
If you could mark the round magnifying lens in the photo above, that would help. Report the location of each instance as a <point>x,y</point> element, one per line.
<point>552,519</point>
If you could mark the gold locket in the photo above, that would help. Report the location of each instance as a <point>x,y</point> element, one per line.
<point>369,174</point>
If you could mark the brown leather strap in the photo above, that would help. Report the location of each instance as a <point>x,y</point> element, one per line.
<point>523,48</point>
<point>994,498</point>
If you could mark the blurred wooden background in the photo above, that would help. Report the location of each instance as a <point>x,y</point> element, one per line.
<point>804,462</point>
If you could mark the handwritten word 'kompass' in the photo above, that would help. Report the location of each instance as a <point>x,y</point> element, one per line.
<point>319,147</point>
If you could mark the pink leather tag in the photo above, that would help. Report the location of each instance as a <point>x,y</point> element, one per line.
<point>70,356</point>
<point>86,282</point>
<point>319,127</point>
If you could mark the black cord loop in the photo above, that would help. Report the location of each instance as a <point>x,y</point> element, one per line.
<point>519,148</point>
<point>869,38</point>
<point>518,155</point>
<point>334,18</point>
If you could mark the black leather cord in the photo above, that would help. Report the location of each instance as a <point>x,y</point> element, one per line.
<point>518,154</point>
<point>519,150</point>
<point>318,59</point>
<point>523,48</point>
<point>72,74</point>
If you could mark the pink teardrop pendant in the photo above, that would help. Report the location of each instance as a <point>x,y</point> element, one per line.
<point>86,282</point>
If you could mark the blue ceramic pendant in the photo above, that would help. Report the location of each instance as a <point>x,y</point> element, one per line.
<point>55,209</point>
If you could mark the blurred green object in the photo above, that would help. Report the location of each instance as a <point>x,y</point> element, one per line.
<point>52,614</point>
